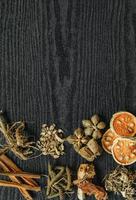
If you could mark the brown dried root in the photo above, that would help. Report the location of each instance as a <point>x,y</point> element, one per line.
<point>59,182</point>
<point>91,189</point>
<point>17,142</point>
<point>85,175</point>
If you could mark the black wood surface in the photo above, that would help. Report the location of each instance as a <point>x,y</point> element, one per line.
<point>62,61</point>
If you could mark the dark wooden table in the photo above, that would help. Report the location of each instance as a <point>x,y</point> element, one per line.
<point>62,61</point>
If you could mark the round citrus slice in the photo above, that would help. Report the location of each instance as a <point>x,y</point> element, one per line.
<point>108,139</point>
<point>123,124</point>
<point>124,151</point>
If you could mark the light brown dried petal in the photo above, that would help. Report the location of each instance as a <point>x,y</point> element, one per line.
<point>89,131</point>
<point>71,139</point>
<point>95,119</point>
<point>101,125</point>
<point>86,123</point>
<point>79,133</point>
<point>97,134</point>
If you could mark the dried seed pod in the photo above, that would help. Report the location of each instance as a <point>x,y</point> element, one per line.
<point>86,153</point>
<point>81,137</point>
<point>94,126</point>
<point>94,147</point>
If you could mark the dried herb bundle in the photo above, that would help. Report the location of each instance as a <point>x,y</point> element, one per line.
<point>122,181</point>
<point>16,140</point>
<point>59,182</point>
<point>51,141</point>
<point>85,175</point>
<point>85,140</point>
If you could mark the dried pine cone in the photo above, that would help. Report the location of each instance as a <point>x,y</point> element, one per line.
<point>93,127</point>
<point>51,141</point>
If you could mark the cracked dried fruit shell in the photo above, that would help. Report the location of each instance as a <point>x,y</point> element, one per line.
<point>123,124</point>
<point>108,139</point>
<point>124,151</point>
<point>86,153</point>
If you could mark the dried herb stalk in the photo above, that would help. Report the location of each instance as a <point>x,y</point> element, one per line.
<point>18,185</point>
<point>59,182</point>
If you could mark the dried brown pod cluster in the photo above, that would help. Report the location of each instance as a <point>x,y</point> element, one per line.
<point>51,141</point>
<point>85,175</point>
<point>59,182</point>
<point>84,139</point>
<point>16,141</point>
<point>122,181</point>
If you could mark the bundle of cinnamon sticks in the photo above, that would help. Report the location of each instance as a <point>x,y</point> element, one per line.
<point>23,181</point>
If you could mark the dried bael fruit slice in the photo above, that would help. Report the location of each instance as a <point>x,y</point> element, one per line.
<point>124,151</point>
<point>108,139</point>
<point>123,124</point>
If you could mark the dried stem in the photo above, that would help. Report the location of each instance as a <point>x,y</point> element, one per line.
<point>23,174</point>
<point>17,185</point>
<point>14,168</point>
<point>24,192</point>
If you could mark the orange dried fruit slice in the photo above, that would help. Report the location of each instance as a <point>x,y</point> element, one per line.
<point>124,151</point>
<point>123,124</point>
<point>108,139</point>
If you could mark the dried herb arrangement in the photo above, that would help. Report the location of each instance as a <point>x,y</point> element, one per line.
<point>119,139</point>
<point>84,139</point>
<point>51,141</point>
<point>16,141</point>
<point>59,182</point>
<point>85,175</point>
<point>122,181</point>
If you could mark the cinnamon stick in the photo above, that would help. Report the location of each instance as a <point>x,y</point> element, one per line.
<point>17,185</point>
<point>24,192</point>
<point>15,168</point>
<point>23,174</point>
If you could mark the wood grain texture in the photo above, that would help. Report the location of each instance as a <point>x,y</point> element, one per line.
<point>61,61</point>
